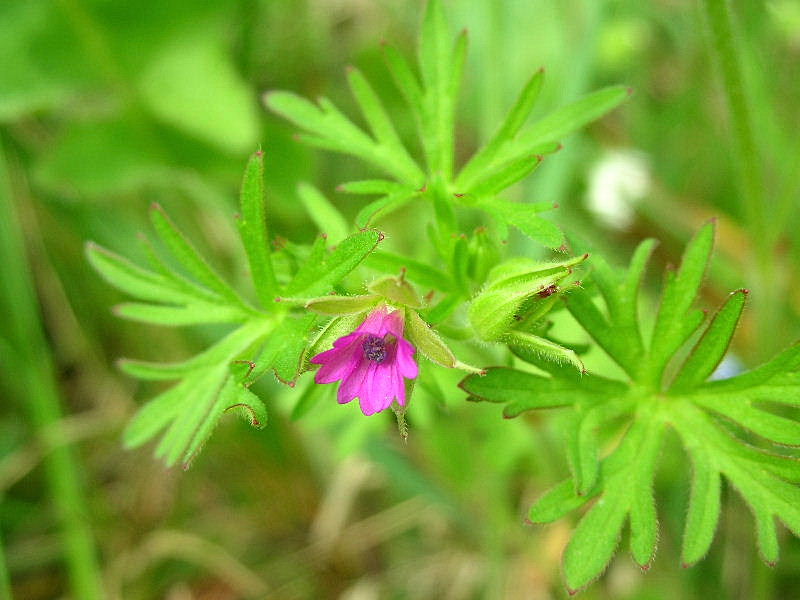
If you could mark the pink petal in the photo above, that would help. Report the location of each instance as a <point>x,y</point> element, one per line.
<point>353,384</point>
<point>406,365</point>
<point>393,324</point>
<point>376,392</point>
<point>399,385</point>
<point>338,362</point>
<point>374,322</point>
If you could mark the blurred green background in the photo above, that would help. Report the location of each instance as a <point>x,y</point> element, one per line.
<point>107,106</point>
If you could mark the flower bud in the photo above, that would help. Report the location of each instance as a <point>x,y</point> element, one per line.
<point>517,290</point>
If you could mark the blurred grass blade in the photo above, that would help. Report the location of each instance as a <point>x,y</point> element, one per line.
<point>5,580</point>
<point>253,229</point>
<point>325,215</point>
<point>30,372</point>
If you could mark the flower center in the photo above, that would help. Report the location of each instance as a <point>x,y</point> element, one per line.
<point>374,348</point>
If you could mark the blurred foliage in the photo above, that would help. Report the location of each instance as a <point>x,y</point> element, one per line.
<point>106,107</point>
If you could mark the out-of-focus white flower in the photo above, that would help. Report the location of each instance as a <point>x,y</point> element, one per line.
<point>617,182</point>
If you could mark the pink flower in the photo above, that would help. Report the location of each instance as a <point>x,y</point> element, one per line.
<point>371,362</point>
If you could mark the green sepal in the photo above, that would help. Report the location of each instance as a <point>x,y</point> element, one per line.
<point>431,345</point>
<point>342,305</point>
<point>397,291</point>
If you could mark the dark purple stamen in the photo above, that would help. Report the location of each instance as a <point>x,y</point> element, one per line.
<point>374,348</point>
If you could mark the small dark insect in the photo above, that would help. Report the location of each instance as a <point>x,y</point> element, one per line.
<point>548,291</point>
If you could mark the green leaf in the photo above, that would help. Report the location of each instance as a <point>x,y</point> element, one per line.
<point>331,130</point>
<point>786,361</point>
<point>772,427</point>
<point>594,541</point>
<point>156,414</point>
<point>325,215</point>
<point>580,305</point>
<point>378,209</point>
<point>563,121</point>
<point>712,346</point>
<point>200,412</point>
<point>673,323</point>
<point>381,125</point>
<point>284,349</point>
<point>373,186</point>
<point>252,226</point>
<point>405,79</point>
<point>502,384</point>
<point>508,130</point>
<point>222,352</point>
<point>438,68</point>
<point>494,180</point>
<point>524,216</point>
<point>249,405</point>
<point>546,348</point>
<point>321,274</point>
<point>704,507</point>
<point>132,279</point>
<point>192,314</point>
<point>186,254</point>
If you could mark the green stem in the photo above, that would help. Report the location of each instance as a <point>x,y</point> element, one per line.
<point>5,580</point>
<point>30,369</point>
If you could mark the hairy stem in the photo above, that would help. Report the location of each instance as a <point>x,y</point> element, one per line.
<point>30,372</point>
